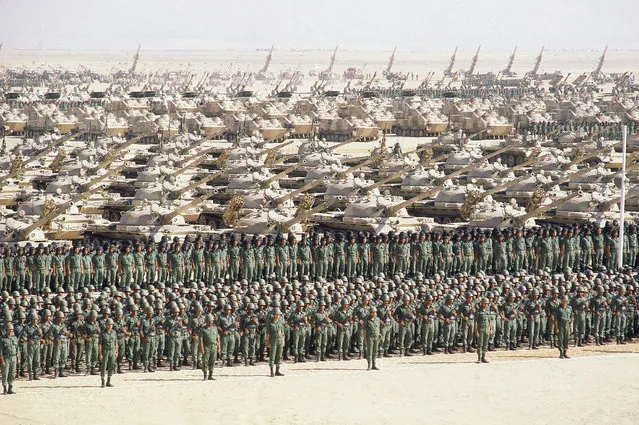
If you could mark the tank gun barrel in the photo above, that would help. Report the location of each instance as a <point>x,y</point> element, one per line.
<point>382,182</point>
<point>168,217</point>
<point>87,186</point>
<point>323,206</point>
<point>576,174</point>
<point>537,212</point>
<point>116,153</point>
<point>302,189</point>
<point>339,145</point>
<point>503,186</point>
<point>183,151</point>
<point>196,158</point>
<point>531,161</point>
<point>281,174</point>
<point>175,194</point>
<point>24,233</point>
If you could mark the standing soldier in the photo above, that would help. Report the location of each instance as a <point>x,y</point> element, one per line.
<point>226,325</point>
<point>58,334</point>
<point>209,345</point>
<point>151,265</point>
<point>21,334</point>
<point>91,336</point>
<point>126,266</point>
<point>448,315</point>
<point>321,322</point>
<point>248,329</point>
<point>99,267</point>
<point>247,260</point>
<point>281,260</point>
<point>195,322</point>
<point>147,336</point>
<point>482,330</point>
<point>40,262</point>
<point>87,267</point>
<point>404,315</point>
<point>563,324</point>
<point>509,313</point>
<point>8,359</point>
<point>467,313</point>
<point>47,345</point>
<point>34,340</point>
<point>275,342</point>
<point>297,321</point>
<point>76,329</point>
<point>174,337</point>
<point>108,352</point>
<point>371,335</point>
<point>342,318</point>
<point>162,265</point>
<point>304,258</point>
<point>112,261</point>
<point>74,266</point>
<point>132,322</point>
<point>579,306</point>
<point>619,306</point>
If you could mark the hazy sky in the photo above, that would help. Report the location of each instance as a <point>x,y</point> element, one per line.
<point>319,24</point>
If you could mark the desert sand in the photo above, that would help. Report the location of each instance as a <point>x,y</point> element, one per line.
<point>599,385</point>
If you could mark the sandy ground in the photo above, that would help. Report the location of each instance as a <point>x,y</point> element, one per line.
<point>598,385</point>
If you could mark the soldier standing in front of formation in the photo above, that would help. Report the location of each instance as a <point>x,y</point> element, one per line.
<point>108,352</point>
<point>372,327</point>
<point>209,346</point>
<point>8,359</point>
<point>563,323</point>
<point>483,329</point>
<point>275,342</point>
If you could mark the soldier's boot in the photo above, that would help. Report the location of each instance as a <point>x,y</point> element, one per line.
<point>301,359</point>
<point>478,358</point>
<point>55,373</point>
<point>386,353</point>
<point>401,352</point>
<point>369,365</point>
<point>374,366</point>
<point>10,389</point>
<point>119,368</point>
<point>170,367</point>
<point>471,349</point>
<point>108,384</point>
<point>35,376</point>
<point>102,386</point>
<point>194,364</point>
<point>92,371</point>
<point>317,357</point>
<point>61,373</point>
<point>228,363</point>
<point>483,359</point>
<point>491,347</point>
<point>339,356</point>
<point>211,378</point>
<point>621,341</point>
<point>566,354</point>
<point>464,348</point>
<point>204,372</point>
<point>30,378</point>
<point>130,365</point>
<point>176,366</point>
<point>47,370</point>
<point>236,360</point>
<point>252,362</point>
<point>136,366</point>
<point>272,375</point>
<point>4,390</point>
<point>22,375</point>
<point>277,371</point>
<point>245,362</point>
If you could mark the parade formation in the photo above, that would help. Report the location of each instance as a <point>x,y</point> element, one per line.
<point>235,299</point>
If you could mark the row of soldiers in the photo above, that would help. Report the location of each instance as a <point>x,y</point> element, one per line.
<point>241,321</point>
<point>317,255</point>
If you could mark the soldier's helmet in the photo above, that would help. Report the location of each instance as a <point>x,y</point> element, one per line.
<point>277,311</point>
<point>109,321</point>
<point>484,300</point>
<point>251,306</point>
<point>209,318</point>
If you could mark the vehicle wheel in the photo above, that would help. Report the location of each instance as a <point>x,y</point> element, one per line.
<point>446,220</point>
<point>202,220</point>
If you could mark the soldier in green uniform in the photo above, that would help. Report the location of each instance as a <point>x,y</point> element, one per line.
<point>248,329</point>
<point>174,325</point>
<point>234,259</point>
<point>34,339</point>
<point>297,321</point>
<point>74,266</point>
<point>598,246</point>
<point>563,324</point>
<point>385,314</point>
<point>467,315</point>
<point>209,346</point>
<point>20,333</point>
<point>304,258</point>
<point>269,256</point>
<point>579,307</point>
<point>275,342</point>
<point>99,267</point>
<point>364,258</point>
<point>448,315</point>
<point>147,336</point>
<point>372,328</point>
<point>47,344</point>
<point>532,308</point>
<point>321,322</point>
<point>482,330</point>
<point>405,315</point>
<point>8,359</point>
<point>132,322</point>
<point>342,318</point>
<point>162,265</point>
<point>126,264</point>
<point>282,260</point>
<point>197,265</point>
<point>59,334</point>
<point>194,324</point>
<point>247,260</point>
<point>258,252</point>
<point>107,352</point>
<point>91,333</point>
<point>151,265</point>
<point>176,265</point>
<point>112,261</point>
<point>599,306</point>
<point>21,269</point>
<point>339,256</point>
<point>76,329</point>
<point>87,267</point>
<point>227,324</point>
<point>40,263</point>
<point>619,306</point>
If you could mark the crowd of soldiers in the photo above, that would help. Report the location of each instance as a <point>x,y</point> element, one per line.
<point>104,309</point>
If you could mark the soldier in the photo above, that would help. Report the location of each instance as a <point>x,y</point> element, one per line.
<point>132,322</point>
<point>21,334</point>
<point>112,263</point>
<point>58,333</point>
<point>467,313</point>
<point>282,260</point>
<point>304,258</point>
<point>87,267</point>
<point>151,265</point>
<point>8,359</point>
<point>275,342</point>
<point>197,265</point>
<point>176,265</point>
<point>404,315</point>
<point>371,335</point>
<point>234,259</point>
<point>162,265</point>
<point>599,306</point>
<point>76,329</point>
<point>209,346</point>
<point>482,330</point>
<point>579,307</point>
<point>532,307</point>
<point>342,318</point>
<point>40,264</point>
<point>91,331</point>
<point>126,264</point>
<point>147,336</point>
<point>174,325</point>
<point>226,327</point>
<point>619,306</point>
<point>563,324</point>
<point>385,314</point>
<point>119,326</point>
<point>247,261</point>
<point>297,321</point>
<point>74,268</point>
<point>108,352</point>
<point>321,322</point>
<point>448,314</point>
<point>248,328</point>
<point>47,344</point>
<point>34,339</point>
<point>99,267</point>
<point>509,312</point>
